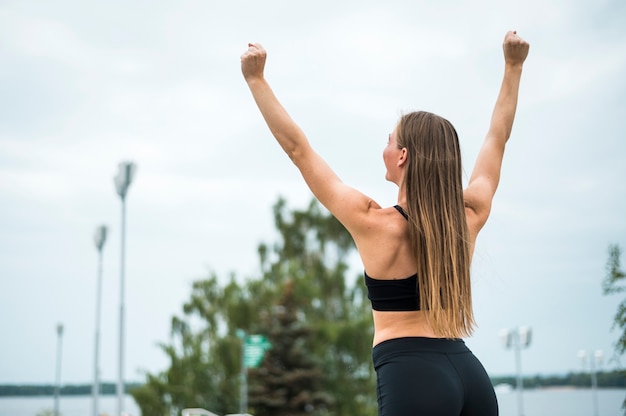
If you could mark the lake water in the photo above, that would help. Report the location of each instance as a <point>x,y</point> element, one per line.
<point>549,402</point>
<point>563,402</point>
<point>68,405</point>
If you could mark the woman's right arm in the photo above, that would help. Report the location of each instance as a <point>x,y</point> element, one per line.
<point>348,205</point>
<point>486,174</point>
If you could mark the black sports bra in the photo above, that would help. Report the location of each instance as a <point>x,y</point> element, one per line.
<point>393,295</point>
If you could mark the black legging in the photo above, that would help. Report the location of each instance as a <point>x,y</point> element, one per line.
<point>431,377</point>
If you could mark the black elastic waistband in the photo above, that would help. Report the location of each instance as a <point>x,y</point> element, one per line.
<point>407,345</point>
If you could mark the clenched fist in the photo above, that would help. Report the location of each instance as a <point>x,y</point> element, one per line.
<point>515,48</point>
<point>253,61</point>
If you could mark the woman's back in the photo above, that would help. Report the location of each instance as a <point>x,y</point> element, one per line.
<point>387,255</point>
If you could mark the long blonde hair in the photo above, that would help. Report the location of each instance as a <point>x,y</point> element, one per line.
<point>438,227</point>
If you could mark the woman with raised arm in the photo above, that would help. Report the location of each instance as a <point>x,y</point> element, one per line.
<point>416,254</point>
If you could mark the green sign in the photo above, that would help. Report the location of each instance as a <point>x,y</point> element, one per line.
<point>254,350</point>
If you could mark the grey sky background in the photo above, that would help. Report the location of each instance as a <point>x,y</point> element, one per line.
<point>85,85</point>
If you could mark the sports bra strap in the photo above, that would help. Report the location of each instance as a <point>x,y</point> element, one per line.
<point>401,211</point>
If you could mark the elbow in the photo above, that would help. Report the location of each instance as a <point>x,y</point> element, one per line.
<point>499,137</point>
<point>290,147</point>
<point>296,155</point>
<point>297,150</point>
<point>506,134</point>
<point>292,143</point>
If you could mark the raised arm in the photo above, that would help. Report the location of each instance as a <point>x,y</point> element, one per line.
<point>486,174</point>
<point>345,203</point>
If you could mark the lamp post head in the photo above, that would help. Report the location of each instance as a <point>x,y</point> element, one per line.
<point>599,356</point>
<point>525,336</point>
<point>59,329</point>
<point>124,177</point>
<point>517,337</point>
<point>506,337</point>
<point>100,236</point>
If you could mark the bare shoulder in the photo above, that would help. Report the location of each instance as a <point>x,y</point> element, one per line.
<point>382,219</point>
<point>384,244</point>
<point>363,223</point>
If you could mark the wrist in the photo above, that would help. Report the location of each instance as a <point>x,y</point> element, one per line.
<point>255,80</point>
<point>513,66</point>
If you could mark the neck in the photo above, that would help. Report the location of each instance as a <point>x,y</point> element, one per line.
<point>402,196</point>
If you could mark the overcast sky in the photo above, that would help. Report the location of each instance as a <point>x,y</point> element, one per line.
<point>84,86</point>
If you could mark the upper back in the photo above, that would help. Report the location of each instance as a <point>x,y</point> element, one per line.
<point>385,249</point>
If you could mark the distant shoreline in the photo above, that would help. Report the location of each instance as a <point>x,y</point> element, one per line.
<point>34,390</point>
<point>615,379</point>
<point>500,391</point>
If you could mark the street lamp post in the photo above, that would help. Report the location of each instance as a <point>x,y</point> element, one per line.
<point>243,387</point>
<point>123,180</point>
<point>57,388</point>
<point>99,239</point>
<point>595,361</point>
<point>517,339</point>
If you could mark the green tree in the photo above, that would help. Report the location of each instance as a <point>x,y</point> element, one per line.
<point>333,326</point>
<point>288,382</point>
<point>615,282</point>
<point>204,362</point>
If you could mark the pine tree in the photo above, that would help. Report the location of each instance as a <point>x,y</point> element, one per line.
<point>288,382</point>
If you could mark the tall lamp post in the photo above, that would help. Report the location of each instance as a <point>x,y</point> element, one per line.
<point>57,388</point>
<point>243,387</point>
<point>123,180</point>
<point>517,338</point>
<point>595,361</point>
<point>99,238</point>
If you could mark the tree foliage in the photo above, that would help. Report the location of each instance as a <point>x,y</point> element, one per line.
<point>289,382</point>
<point>318,322</point>
<point>615,282</point>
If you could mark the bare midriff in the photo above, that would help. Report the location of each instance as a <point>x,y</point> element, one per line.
<point>390,325</point>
